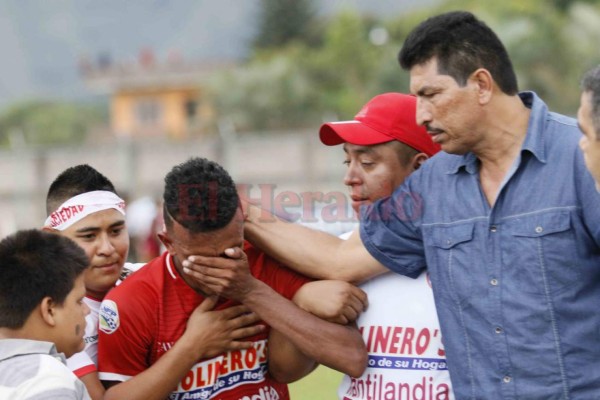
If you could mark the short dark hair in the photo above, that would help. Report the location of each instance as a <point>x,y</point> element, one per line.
<point>33,265</point>
<point>404,152</point>
<point>591,83</point>
<point>461,43</point>
<point>74,181</point>
<point>200,195</point>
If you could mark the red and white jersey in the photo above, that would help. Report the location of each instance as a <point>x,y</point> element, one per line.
<point>142,318</point>
<point>85,361</point>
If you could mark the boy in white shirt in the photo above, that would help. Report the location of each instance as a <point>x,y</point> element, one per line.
<point>42,316</point>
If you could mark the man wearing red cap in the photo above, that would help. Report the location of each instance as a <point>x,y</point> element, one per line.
<point>383,145</point>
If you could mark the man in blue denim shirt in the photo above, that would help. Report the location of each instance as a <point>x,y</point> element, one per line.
<point>506,220</point>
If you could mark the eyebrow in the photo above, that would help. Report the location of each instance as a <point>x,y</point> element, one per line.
<point>360,149</point>
<point>97,228</point>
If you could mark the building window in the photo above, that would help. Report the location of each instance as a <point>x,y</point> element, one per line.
<point>190,109</point>
<point>148,112</point>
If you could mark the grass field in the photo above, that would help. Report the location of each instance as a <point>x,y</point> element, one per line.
<point>321,384</point>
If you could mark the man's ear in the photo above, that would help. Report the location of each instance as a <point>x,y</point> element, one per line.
<point>484,84</point>
<point>418,160</point>
<point>47,309</point>
<point>166,241</point>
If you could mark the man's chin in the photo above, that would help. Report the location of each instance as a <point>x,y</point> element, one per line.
<point>357,204</point>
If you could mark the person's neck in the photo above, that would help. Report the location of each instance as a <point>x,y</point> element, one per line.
<point>95,295</point>
<point>507,128</point>
<point>30,331</point>
<point>6,333</point>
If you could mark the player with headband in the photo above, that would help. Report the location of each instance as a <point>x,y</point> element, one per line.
<point>83,205</point>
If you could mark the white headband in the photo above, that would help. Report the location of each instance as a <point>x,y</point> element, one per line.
<point>82,205</point>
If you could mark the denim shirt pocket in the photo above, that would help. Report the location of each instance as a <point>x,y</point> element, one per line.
<point>538,254</point>
<point>454,259</point>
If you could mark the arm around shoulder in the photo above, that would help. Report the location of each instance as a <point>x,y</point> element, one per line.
<point>313,253</point>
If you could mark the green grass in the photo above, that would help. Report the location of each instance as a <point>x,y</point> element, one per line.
<point>321,384</point>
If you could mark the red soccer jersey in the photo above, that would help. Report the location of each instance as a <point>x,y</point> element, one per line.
<point>142,318</point>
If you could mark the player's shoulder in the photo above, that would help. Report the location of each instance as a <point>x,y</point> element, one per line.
<point>128,270</point>
<point>135,297</point>
<point>145,279</point>
<point>258,260</point>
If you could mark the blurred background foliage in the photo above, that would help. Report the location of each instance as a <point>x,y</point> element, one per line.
<point>303,79</point>
<point>44,122</point>
<point>305,68</point>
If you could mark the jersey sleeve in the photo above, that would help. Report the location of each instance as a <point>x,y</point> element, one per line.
<point>125,335</point>
<point>81,364</point>
<point>128,269</point>
<point>85,361</point>
<point>283,280</point>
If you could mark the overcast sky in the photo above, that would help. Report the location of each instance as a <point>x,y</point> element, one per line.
<point>42,40</point>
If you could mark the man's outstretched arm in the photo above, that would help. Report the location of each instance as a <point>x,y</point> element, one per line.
<point>313,253</point>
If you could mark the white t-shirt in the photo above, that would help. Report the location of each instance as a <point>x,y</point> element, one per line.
<point>401,330</point>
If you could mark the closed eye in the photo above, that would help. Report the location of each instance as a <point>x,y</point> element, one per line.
<point>87,236</point>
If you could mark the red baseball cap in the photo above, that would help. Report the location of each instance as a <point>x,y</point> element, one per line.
<point>386,117</point>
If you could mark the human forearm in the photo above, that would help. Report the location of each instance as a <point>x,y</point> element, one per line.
<point>158,381</point>
<point>93,385</point>
<point>313,253</point>
<point>287,363</point>
<point>208,333</point>
<point>337,346</point>
<point>332,300</point>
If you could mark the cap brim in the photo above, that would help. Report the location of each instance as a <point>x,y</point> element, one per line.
<point>353,132</point>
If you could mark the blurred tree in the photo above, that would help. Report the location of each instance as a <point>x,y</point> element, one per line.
<point>268,93</point>
<point>298,86</point>
<point>551,44</point>
<point>283,21</point>
<point>41,123</point>
<point>564,5</point>
<point>345,66</point>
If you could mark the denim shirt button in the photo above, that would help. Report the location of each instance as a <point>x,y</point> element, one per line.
<point>506,379</point>
<point>494,282</point>
<point>498,330</point>
<point>493,228</point>
<point>539,229</point>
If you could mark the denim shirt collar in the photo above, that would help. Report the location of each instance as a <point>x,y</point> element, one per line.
<point>534,140</point>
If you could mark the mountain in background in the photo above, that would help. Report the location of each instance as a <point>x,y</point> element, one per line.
<point>42,42</point>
